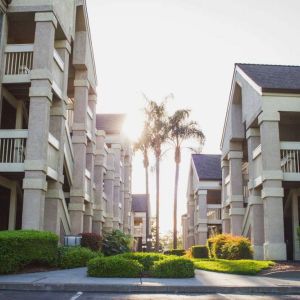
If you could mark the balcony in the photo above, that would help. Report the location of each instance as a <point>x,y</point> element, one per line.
<point>257,165</point>
<point>89,123</point>
<point>69,154</point>
<point>12,150</point>
<point>214,214</point>
<point>138,231</point>
<point>290,160</point>
<point>19,63</point>
<point>53,157</point>
<point>87,185</point>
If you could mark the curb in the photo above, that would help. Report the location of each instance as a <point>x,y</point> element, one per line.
<point>151,289</point>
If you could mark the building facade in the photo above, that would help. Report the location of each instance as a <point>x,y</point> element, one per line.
<point>53,168</point>
<point>203,218</point>
<point>141,222</point>
<point>260,159</point>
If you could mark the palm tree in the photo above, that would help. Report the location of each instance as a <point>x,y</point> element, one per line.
<point>180,129</point>
<point>157,124</point>
<point>143,145</point>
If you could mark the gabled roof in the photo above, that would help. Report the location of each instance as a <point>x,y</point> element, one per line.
<point>139,203</point>
<point>273,78</point>
<point>208,166</point>
<point>110,123</point>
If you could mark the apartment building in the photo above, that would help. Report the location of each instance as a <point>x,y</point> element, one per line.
<point>203,218</point>
<point>260,159</point>
<point>115,167</point>
<point>141,222</point>
<point>52,157</point>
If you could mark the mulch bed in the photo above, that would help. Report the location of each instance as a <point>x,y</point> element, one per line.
<point>282,267</point>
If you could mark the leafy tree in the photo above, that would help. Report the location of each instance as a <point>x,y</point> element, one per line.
<point>116,242</point>
<point>180,129</point>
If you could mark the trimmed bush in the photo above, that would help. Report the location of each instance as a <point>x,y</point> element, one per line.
<point>226,246</point>
<point>116,242</point>
<point>114,266</point>
<point>177,252</point>
<point>91,241</point>
<point>199,251</point>
<point>173,267</point>
<point>75,257</point>
<point>145,259</point>
<point>22,247</point>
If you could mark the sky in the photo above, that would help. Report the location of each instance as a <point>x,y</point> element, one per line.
<point>187,48</point>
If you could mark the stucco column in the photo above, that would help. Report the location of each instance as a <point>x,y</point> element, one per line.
<point>109,191</point>
<point>296,223</point>
<point>236,199</point>
<point>191,216</point>
<point>256,213</point>
<point>122,192</point>
<point>100,165</point>
<point>116,148</point>
<point>40,93</point>
<point>225,210</point>
<point>79,141</point>
<point>272,192</point>
<point>127,208</point>
<point>202,220</point>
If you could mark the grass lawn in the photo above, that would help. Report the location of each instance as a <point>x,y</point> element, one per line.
<point>246,267</point>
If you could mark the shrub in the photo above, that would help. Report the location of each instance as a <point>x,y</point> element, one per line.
<point>91,241</point>
<point>75,257</point>
<point>116,242</point>
<point>145,259</point>
<point>177,252</point>
<point>114,266</point>
<point>173,267</point>
<point>199,251</point>
<point>226,246</point>
<point>22,247</point>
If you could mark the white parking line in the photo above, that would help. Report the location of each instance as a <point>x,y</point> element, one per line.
<point>76,296</point>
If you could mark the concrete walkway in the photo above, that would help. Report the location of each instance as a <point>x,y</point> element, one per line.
<point>204,282</point>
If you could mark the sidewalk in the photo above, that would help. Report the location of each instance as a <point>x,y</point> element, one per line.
<point>204,282</point>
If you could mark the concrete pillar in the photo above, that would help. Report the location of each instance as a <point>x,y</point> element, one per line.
<point>127,206</point>
<point>122,192</point>
<point>202,220</point>
<point>225,210</point>
<point>255,203</point>
<point>100,162</point>
<point>79,141</point>
<point>236,199</point>
<point>272,192</point>
<point>191,225</point>
<point>34,183</point>
<point>109,191</point>
<point>116,148</point>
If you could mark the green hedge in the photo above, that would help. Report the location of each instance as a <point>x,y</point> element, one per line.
<point>199,251</point>
<point>114,266</point>
<point>145,259</point>
<point>22,247</point>
<point>226,246</point>
<point>173,267</point>
<point>75,257</point>
<point>177,252</point>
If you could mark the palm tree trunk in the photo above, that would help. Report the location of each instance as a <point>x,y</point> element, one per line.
<point>157,205</point>
<point>148,215</point>
<point>175,207</point>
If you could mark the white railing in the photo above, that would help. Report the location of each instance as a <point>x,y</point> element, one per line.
<point>290,157</point>
<point>53,152</point>
<point>89,123</point>
<point>13,146</point>
<point>257,162</point>
<point>214,212</point>
<point>18,59</point>
<point>138,231</point>
<point>87,184</point>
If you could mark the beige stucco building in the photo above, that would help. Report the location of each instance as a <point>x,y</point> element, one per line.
<point>260,159</point>
<point>58,172</point>
<point>203,217</point>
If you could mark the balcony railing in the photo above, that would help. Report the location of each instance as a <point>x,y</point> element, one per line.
<point>257,165</point>
<point>89,123</point>
<point>290,160</point>
<point>53,156</point>
<point>87,184</point>
<point>68,151</point>
<point>12,149</point>
<point>138,231</point>
<point>18,59</point>
<point>213,213</point>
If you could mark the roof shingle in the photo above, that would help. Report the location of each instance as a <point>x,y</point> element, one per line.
<point>273,77</point>
<point>139,203</point>
<point>110,123</point>
<point>208,166</point>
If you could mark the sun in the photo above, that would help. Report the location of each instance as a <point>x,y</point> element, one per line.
<point>133,125</point>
